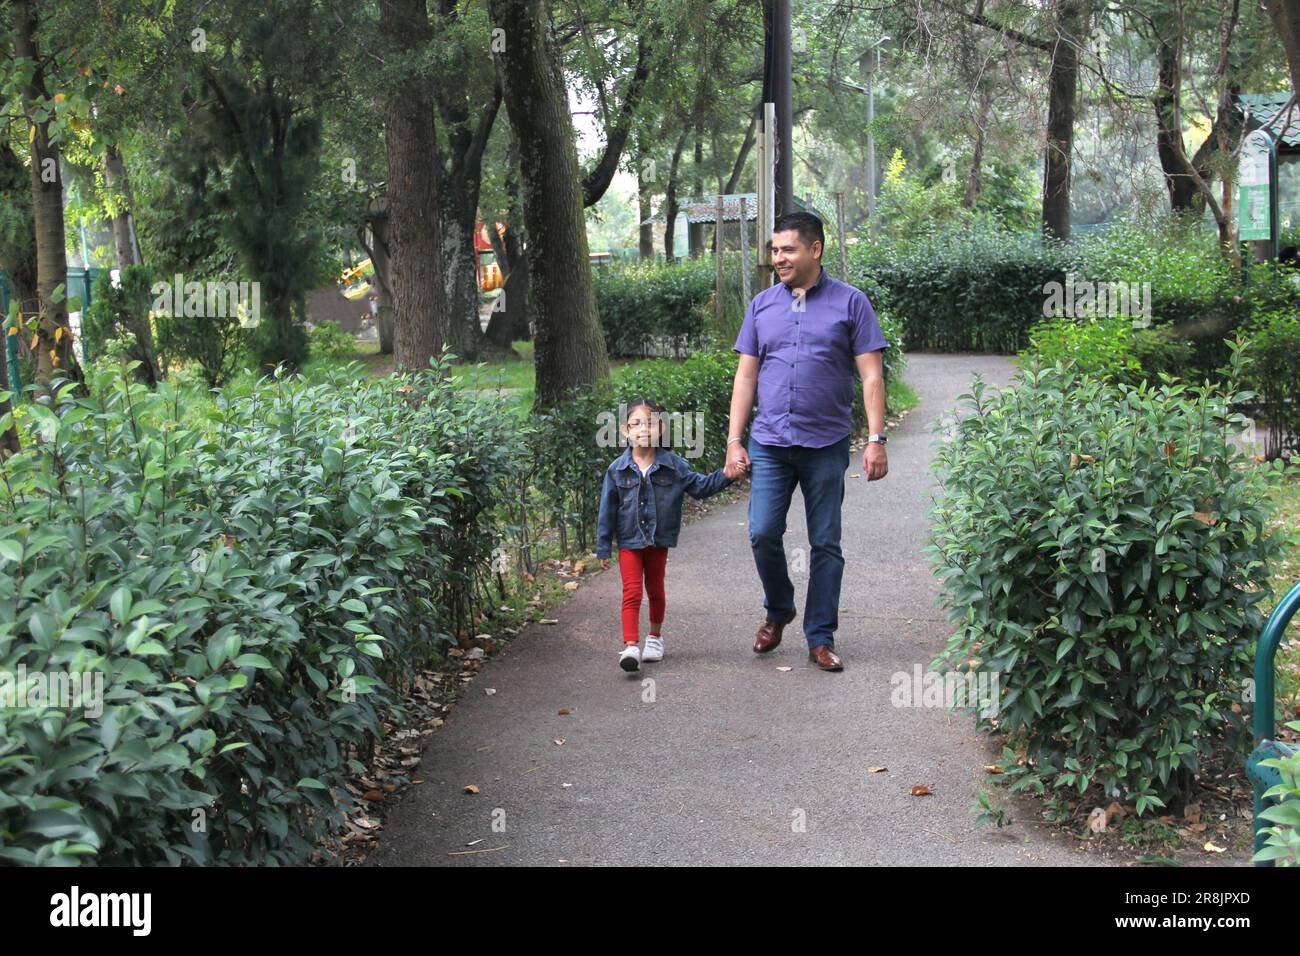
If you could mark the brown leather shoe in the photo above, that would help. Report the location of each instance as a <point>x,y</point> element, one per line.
<point>825,658</point>
<point>769,635</point>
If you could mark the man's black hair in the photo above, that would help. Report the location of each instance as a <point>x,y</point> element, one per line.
<point>806,224</point>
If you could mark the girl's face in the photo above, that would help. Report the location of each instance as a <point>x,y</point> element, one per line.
<point>644,426</point>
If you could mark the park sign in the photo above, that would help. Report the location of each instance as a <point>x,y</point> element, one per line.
<point>1256,182</point>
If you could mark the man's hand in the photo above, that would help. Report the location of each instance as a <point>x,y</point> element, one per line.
<point>737,461</point>
<point>875,463</point>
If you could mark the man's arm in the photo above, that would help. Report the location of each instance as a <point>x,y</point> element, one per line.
<point>871,367</point>
<point>743,390</point>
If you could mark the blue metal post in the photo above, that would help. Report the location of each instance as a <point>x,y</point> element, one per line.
<point>11,344</point>
<point>1265,687</point>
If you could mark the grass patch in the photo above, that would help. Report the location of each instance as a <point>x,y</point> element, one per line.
<point>1286,519</point>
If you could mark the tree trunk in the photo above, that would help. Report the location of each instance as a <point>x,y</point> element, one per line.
<point>53,340</point>
<point>645,230</point>
<point>597,181</point>
<point>125,245</point>
<point>377,248</point>
<point>570,347</point>
<point>695,230</point>
<point>511,319</point>
<point>420,306</point>
<point>670,200</point>
<point>1285,15</point>
<point>1063,84</point>
<point>974,179</point>
<point>1169,133</point>
<point>742,155</point>
<point>461,180</point>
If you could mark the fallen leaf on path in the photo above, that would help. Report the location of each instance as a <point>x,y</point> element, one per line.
<point>564,712</point>
<point>877,769</point>
<point>921,790</point>
<point>993,768</point>
<point>565,786</point>
<point>559,741</point>
<point>548,620</point>
<point>373,795</point>
<point>489,691</point>
<point>474,842</point>
<point>1116,809</point>
<point>785,668</point>
<point>470,788</point>
<point>1192,812</point>
<point>571,586</point>
<point>1211,848</point>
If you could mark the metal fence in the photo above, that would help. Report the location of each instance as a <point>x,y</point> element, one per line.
<point>80,285</point>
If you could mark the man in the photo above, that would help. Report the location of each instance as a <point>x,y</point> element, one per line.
<point>798,346</point>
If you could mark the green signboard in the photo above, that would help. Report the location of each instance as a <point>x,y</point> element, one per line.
<point>1255,188</point>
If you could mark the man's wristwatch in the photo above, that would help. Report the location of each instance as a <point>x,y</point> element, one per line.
<point>881,439</point>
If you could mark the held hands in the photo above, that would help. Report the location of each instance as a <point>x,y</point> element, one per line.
<point>738,463</point>
<point>875,464</point>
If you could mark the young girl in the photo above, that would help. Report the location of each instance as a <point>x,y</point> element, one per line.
<point>641,506</point>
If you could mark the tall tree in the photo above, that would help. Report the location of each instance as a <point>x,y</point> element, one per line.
<point>570,347</point>
<point>414,220</point>
<point>53,334</point>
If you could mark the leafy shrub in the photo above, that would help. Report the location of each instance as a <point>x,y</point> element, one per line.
<point>1100,347</point>
<point>329,342</point>
<point>121,313</point>
<point>217,344</point>
<point>1103,550</point>
<point>645,306</point>
<point>976,290</point>
<point>1109,347</point>
<point>250,587</point>
<point>1273,360</point>
<point>1282,843</point>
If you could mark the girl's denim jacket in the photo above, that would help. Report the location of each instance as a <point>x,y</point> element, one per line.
<point>646,511</point>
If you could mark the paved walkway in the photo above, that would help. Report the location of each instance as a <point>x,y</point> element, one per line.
<point>725,758</point>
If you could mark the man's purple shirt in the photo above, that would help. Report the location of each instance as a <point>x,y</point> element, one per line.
<point>806,359</point>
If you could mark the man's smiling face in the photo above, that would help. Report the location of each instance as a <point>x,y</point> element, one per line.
<point>796,262</point>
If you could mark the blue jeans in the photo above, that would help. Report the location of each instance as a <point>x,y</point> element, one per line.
<point>819,473</point>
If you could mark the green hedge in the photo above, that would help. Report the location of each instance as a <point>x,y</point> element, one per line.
<point>976,291</point>
<point>647,304</point>
<point>983,289</point>
<point>1103,549</point>
<point>249,588</point>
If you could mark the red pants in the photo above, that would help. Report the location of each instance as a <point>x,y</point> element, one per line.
<point>636,565</point>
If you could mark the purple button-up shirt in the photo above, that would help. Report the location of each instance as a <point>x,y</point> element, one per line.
<point>806,356</point>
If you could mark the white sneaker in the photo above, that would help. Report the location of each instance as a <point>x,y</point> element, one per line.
<point>630,659</point>
<point>654,649</point>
